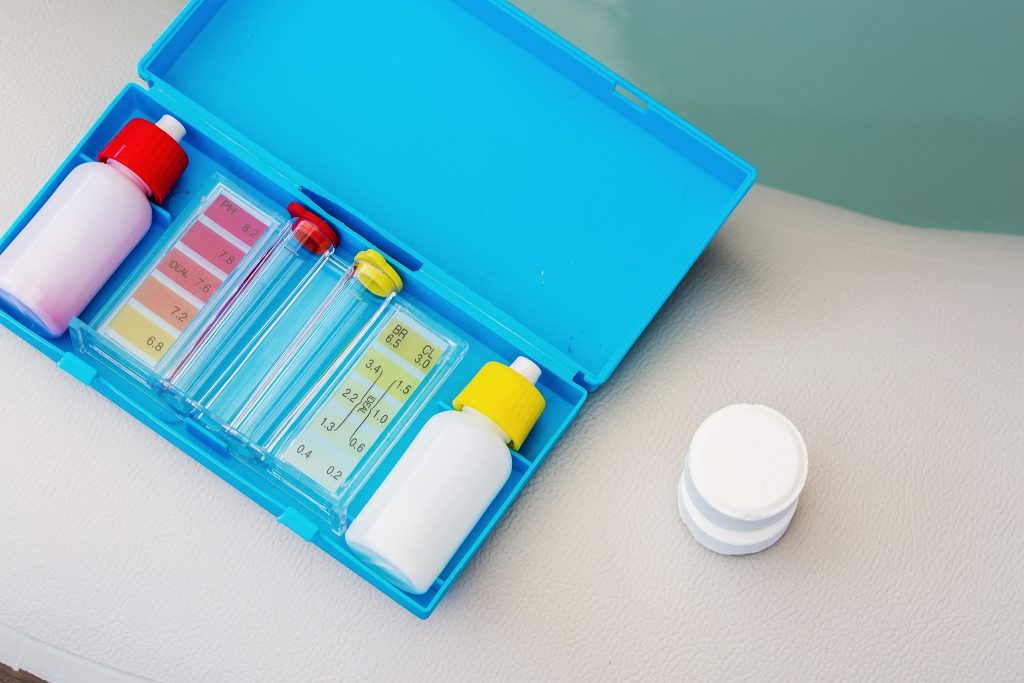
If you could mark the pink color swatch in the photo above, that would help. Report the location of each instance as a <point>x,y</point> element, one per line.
<point>212,247</point>
<point>190,275</point>
<point>235,220</point>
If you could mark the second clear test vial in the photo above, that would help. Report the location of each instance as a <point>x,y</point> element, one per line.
<point>224,360</point>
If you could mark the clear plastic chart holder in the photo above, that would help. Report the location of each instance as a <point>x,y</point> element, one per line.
<point>345,427</point>
<point>201,260</point>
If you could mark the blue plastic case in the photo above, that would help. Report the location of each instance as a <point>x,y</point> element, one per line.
<point>531,199</point>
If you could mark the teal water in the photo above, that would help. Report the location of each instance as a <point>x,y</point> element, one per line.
<point>910,111</point>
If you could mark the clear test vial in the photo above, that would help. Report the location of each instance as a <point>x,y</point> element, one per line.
<point>305,366</point>
<point>223,361</point>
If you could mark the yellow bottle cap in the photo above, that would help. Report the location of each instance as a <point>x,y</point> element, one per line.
<point>376,274</point>
<point>507,395</point>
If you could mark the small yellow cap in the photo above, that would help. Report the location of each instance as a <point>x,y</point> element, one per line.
<point>507,396</point>
<point>376,273</point>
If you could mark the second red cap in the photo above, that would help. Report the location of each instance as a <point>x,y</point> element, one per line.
<point>312,231</point>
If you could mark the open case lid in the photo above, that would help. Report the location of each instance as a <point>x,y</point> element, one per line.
<point>472,145</point>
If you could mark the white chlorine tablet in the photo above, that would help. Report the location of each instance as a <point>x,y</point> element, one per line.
<point>743,475</point>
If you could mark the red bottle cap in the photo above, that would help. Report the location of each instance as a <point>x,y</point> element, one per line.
<point>312,232</point>
<point>150,153</point>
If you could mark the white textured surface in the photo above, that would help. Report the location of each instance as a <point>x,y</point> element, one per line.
<point>897,352</point>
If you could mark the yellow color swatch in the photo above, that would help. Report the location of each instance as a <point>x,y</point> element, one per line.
<point>142,333</point>
<point>411,342</point>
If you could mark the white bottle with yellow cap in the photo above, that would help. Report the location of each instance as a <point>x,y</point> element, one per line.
<point>453,469</point>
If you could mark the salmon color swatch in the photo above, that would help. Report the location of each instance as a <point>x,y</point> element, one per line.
<point>167,304</point>
<point>189,275</point>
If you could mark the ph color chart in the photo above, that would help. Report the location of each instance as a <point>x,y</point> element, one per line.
<point>213,242</point>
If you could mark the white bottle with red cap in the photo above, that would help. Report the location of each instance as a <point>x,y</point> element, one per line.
<point>89,225</point>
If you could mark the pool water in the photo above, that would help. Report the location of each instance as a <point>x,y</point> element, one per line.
<point>910,111</point>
